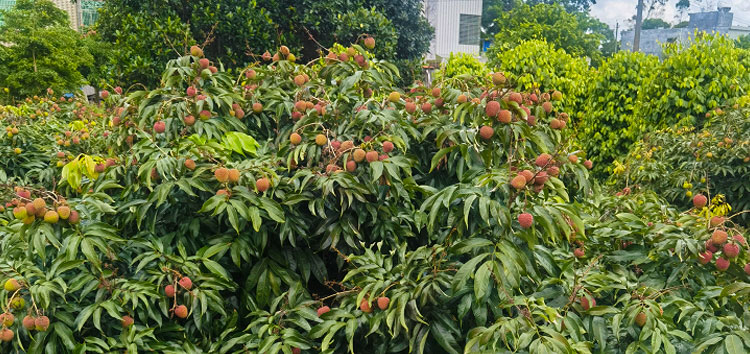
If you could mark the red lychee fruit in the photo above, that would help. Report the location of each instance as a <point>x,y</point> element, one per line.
<point>383,302</point>
<point>28,323</point>
<point>719,237</point>
<point>6,335</point>
<point>518,182</point>
<point>486,132</point>
<point>387,146</point>
<point>371,156</point>
<point>543,159</point>
<point>586,304</point>
<point>705,257</point>
<point>359,155</point>
<point>41,323</point>
<point>160,127</point>
<point>588,164</point>
<point>322,310</point>
<point>504,116</point>
<point>731,250</point>
<point>191,91</point>
<point>528,175</point>
<point>351,166</point>
<point>190,164</point>
<point>410,107</point>
<point>579,253</point>
<point>262,184</point>
<point>498,78</point>
<point>699,201</point>
<point>365,306</point>
<point>427,107</point>
<point>181,311</point>
<point>526,220</point>
<point>127,321</point>
<point>221,174</point>
<point>369,42</point>
<point>186,283</point>
<point>169,291</point>
<point>295,139</point>
<point>717,220</point>
<point>747,269</point>
<point>722,264</point>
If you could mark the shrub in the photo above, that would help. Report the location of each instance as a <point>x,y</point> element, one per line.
<point>605,130</point>
<point>537,65</point>
<point>693,79</point>
<point>462,64</point>
<point>680,163</point>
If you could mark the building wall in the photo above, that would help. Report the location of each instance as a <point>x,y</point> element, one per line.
<point>444,16</point>
<point>653,39</point>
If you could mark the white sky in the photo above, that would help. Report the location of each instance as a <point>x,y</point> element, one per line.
<point>612,11</point>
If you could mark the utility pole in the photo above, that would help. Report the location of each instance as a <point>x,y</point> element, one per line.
<point>617,32</point>
<point>638,23</point>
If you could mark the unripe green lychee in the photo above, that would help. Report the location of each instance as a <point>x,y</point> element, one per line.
<point>51,217</point>
<point>394,96</point>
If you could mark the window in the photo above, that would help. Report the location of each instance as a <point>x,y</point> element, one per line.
<point>468,29</point>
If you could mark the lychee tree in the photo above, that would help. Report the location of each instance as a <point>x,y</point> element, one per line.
<point>318,208</point>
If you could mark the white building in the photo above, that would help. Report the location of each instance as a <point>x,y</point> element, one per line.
<point>457,26</point>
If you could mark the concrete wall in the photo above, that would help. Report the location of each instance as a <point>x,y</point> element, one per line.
<point>653,39</point>
<point>444,16</point>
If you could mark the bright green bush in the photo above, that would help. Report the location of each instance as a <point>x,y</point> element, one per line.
<point>680,163</point>
<point>608,112</point>
<point>692,80</point>
<point>462,64</point>
<point>537,65</point>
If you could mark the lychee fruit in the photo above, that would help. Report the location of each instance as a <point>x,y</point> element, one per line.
<point>731,250</point>
<point>640,319</point>
<point>573,158</point>
<point>189,120</point>
<point>127,321</point>
<point>518,182</point>
<point>6,335</point>
<point>387,146</point>
<point>371,156</point>
<point>74,218</point>
<point>528,175</point>
<point>722,264</point>
<point>28,323</point>
<point>436,92</point>
<point>322,310</point>
<point>7,319</point>
<point>541,178</point>
<point>365,306</point>
<point>51,217</point>
<point>299,80</point>
<point>204,115</point>
<point>181,311</point>
<point>191,91</point>
<point>196,51</point>
<point>719,237</point>
<point>257,107</point>
<point>526,220</point>
<point>461,98</point>
<point>739,239</point>
<point>579,253</point>
<point>159,127</point>
<point>556,96</point>
<point>486,132</point>
<point>547,106</point>
<point>516,97</point>
<point>717,220</point>
<point>221,174</point>
<point>555,124</point>
<point>492,109</point>
<point>369,42</point>
<point>169,290</point>
<point>359,155</point>
<point>186,283</point>
<point>705,257</point>
<point>234,175</point>
<point>39,203</point>
<point>699,201</point>
<point>427,107</point>
<point>410,107</point>
<point>12,285</point>
<point>747,269</point>
<point>204,63</point>
<point>41,323</point>
<point>498,78</point>
<point>251,74</point>
<point>190,164</point>
<point>394,96</point>
<point>262,184</point>
<point>586,304</point>
<point>295,139</point>
<point>383,302</point>
<point>321,139</point>
<point>104,94</point>
<point>588,164</point>
<point>351,166</point>
<point>504,116</point>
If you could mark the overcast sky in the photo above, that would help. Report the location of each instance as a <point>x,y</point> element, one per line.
<point>612,11</point>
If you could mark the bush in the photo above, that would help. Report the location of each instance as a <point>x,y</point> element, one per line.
<point>535,64</point>
<point>680,163</point>
<point>605,129</point>
<point>221,213</point>
<point>462,64</point>
<point>692,80</point>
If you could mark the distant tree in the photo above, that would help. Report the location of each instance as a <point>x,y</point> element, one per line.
<point>653,23</point>
<point>577,33</point>
<point>743,42</point>
<point>492,9</point>
<point>42,50</point>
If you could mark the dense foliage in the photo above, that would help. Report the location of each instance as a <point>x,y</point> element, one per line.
<point>692,80</point>
<point>682,162</point>
<point>608,112</point>
<point>577,33</point>
<point>539,65</point>
<point>317,208</point>
<point>234,33</point>
<point>39,50</point>
<point>462,64</point>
